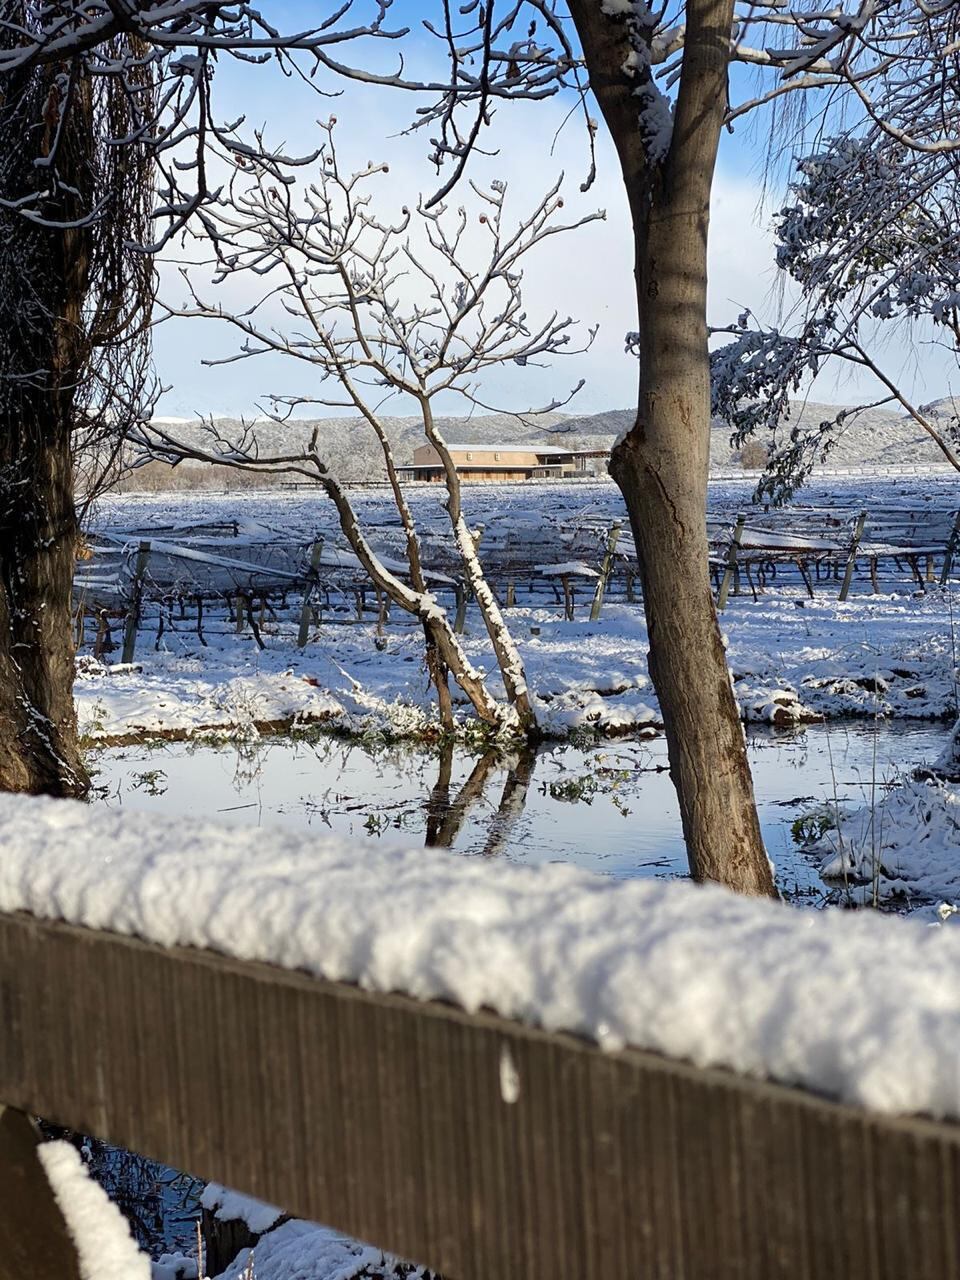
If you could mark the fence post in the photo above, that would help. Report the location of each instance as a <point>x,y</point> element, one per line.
<point>852,556</point>
<point>731,562</point>
<point>605,570</point>
<point>34,1240</point>
<point>952,543</point>
<point>133,615</point>
<point>315,554</point>
<point>462,595</point>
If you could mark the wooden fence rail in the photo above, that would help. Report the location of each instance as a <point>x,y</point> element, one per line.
<point>483,1148</point>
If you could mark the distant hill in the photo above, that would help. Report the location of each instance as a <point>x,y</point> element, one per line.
<point>874,438</point>
<point>349,446</point>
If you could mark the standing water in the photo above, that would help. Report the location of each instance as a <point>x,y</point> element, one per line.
<point>608,806</point>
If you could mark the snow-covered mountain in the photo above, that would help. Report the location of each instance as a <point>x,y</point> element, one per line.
<point>873,438</point>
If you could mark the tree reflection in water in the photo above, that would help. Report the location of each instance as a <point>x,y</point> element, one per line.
<point>446,815</point>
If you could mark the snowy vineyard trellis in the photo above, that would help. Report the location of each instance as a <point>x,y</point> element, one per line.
<point>172,577</point>
<point>480,1146</point>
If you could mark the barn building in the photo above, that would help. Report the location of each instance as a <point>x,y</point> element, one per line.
<point>493,462</point>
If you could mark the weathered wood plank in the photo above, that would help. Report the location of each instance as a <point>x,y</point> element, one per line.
<point>388,1119</point>
<point>34,1241</point>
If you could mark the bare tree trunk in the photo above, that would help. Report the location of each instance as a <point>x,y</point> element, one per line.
<point>441,641</point>
<point>505,651</point>
<point>439,673</point>
<point>436,667</point>
<point>43,274</point>
<point>662,464</point>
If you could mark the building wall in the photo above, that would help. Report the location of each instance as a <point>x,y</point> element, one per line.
<point>468,477</point>
<point>425,454</point>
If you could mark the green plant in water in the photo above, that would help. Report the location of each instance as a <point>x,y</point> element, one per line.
<point>152,781</point>
<point>812,825</point>
<point>574,790</point>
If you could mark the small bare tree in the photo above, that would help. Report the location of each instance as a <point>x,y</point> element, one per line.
<point>870,235</point>
<point>383,309</point>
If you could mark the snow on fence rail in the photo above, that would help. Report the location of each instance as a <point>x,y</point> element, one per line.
<point>231,1008</point>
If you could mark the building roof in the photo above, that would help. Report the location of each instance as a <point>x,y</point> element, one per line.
<point>509,448</point>
<point>552,449</point>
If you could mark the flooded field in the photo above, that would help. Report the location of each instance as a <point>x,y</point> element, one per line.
<point>609,807</point>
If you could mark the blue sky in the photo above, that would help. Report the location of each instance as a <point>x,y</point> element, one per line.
<point>587,275</point>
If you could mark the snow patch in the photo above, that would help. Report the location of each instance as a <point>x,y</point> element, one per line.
<point>105,1248</point>
<point>303,1251</point>
<point>231,1206</point>
<point>906,847</point>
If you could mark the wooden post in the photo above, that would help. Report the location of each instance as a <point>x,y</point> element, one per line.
<point>852,556</point>
<point>567,597</point>
<point>383,614</point>
<point>605,570</point>
<point>460,621</point>
<point>34,1241</point>
<point>133,615</point>
<point>951,549</point>
<point>731,562</point>
<point>238,612</point>
<point>511,594</point>
<point>304,631</point>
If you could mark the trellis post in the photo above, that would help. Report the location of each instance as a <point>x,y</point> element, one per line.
<point>731,562</point>
<point>605,570</point>
<point>133,615</point>
<point>852,556</point>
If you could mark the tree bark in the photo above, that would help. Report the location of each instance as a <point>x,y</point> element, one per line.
<point>441,641</point>
<point>662,464</point>
<point>43,279</point>
<point>504,648</point>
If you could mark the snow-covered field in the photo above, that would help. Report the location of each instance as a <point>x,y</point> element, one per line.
<point>793,658</point>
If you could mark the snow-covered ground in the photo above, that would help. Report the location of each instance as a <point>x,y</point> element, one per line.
<point>793,658</point>
<point>901,848</point>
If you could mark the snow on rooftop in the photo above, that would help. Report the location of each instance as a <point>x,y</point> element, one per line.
<point>861,1006</point>
<point>493,447</point>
